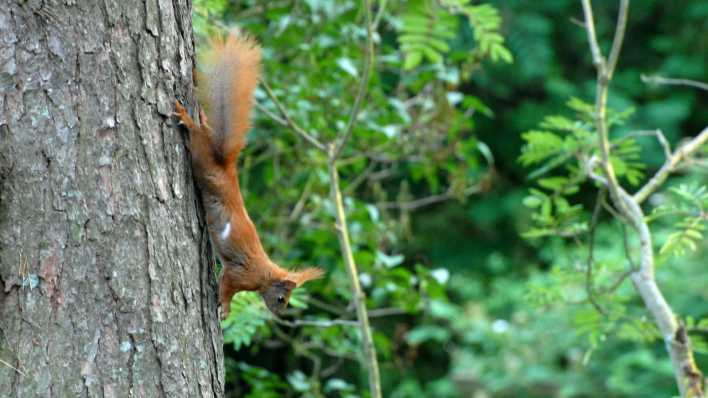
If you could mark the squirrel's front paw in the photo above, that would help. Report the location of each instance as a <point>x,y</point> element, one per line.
<point>181,113</point>
<point>223,312</point>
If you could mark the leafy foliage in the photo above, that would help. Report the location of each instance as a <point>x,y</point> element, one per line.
<point>688,234</point>
<point>425,32</point>
<point>249,315</point>
<point>428,26</point>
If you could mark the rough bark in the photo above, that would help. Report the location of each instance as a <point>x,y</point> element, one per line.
<point>107,285</point>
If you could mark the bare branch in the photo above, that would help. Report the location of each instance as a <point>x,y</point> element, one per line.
<point>675,82</point>
<point>363,84</point>
<point>617,283</point>
<point>320,323</point>
<point>300,205</point>
<point>13,368</point>
<point>383,312</point>
<point>589,288</point>
<point>379,15</point>
<point>589,26</point>
<point>603,79</point>
<point>627,251</point>
<point>286,120</point>
<point>358,296</point>
<point>677,344</point>
<point>334,149</point>
<point>429,200</point>
<point>354,184</point>
<point>681,153</point>
<point>619,37</point>
<point>271,115</point>
<point>653,133</point>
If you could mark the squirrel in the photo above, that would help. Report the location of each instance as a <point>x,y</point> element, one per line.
<point>226,93</point>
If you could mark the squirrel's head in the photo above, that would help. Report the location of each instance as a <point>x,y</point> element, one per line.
<point>277,294</point>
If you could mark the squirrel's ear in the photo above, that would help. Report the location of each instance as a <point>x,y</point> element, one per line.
<point>288,284</point>
<point>307,274</point>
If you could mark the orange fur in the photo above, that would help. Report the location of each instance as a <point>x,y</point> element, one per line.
<point>307,274</point>
<point>227,95</point>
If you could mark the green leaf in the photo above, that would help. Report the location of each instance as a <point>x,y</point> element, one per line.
<point>425,333</point>
<point>412,59</point>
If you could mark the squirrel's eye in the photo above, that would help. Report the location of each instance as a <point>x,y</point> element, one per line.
<point>281,299</point>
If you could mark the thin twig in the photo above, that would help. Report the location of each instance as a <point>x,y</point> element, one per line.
<point>675,82</point>
<point>681,153</point>
<point>301,349</point>
<point>334,150</point>
<point>601,88</point>
<point>647,133</point>
<point>13,368</point>
<point>612,211</point>
<point>286,117</point>
<point>589,288</point>
<point>379,15</point>
<point>332,369</point>
<point>383,312</point>
<point>627,251</point>
<point>619,37</point>
<point>326,306</point>
<point>663,142</point>
<point>320,323</point>
<point>271,115</point>
<point>617,283</point>
<point>363,84</point>
<point>429,200</point>
<point>358,298</point>
<point>352,186</point>
<point>589,26</point>
<point>300,205</point>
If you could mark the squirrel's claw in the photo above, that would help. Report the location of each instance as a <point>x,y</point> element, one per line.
<point>202,118</point>
<point>223,312</point>
<point>181,113</point>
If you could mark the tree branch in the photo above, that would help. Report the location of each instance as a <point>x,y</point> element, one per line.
<point>645,283</point>
<point>589,26</point>
<point>358,294</point>
<point>429,200</point>
<point>675,82</point>
<point>286,120</point>
<point>363,84</point>
<point>688,377</point>
<point>320,323</point>
<point>682,153</point>
<point>652,133</point>
<point>334,150</point>
<point>619,37</point>
<point>13,368</point>
<point>604,74</point>
<point>589,284</point>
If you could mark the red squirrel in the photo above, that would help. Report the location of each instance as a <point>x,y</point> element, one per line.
<point>227,94</point>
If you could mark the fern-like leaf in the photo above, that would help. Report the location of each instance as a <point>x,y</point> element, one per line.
<point>248,314</point>
<point>689,234</point>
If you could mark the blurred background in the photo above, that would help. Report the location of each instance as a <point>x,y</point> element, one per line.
<point>470,293</point>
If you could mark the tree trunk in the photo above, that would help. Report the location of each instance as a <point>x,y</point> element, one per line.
<point>106,280</point>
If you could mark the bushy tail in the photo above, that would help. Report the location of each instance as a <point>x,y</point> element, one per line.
<point>233,67</point>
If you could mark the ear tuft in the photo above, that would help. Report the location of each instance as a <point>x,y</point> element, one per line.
<point>307,274</point>
<point>288,284</point>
